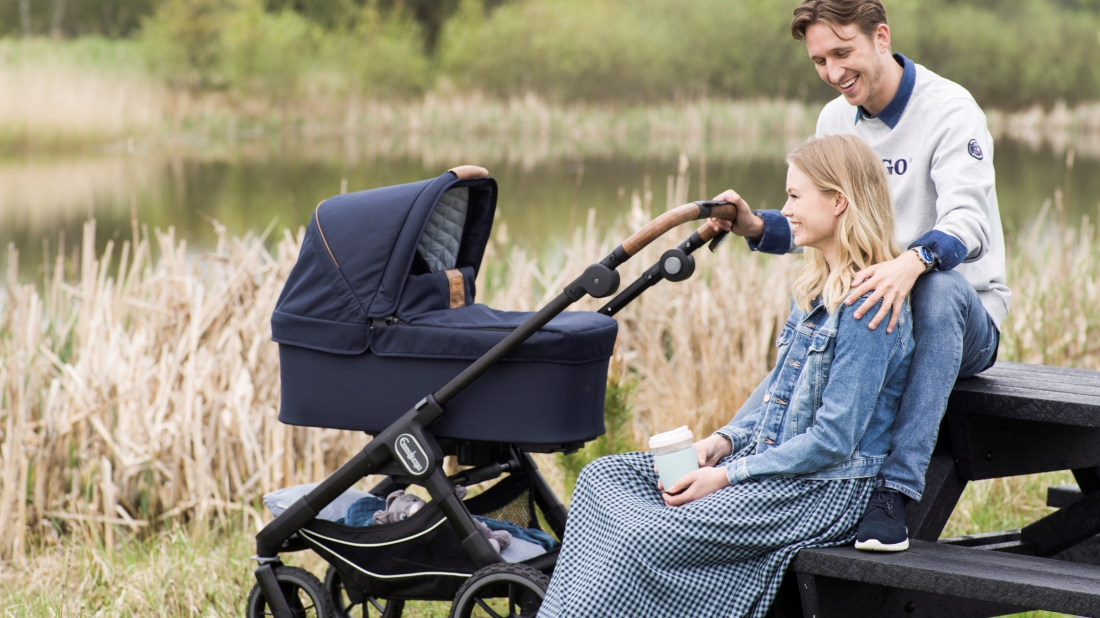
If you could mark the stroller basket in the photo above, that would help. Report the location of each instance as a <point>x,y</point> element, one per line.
<point>422,556</point>
<point>379,311</point>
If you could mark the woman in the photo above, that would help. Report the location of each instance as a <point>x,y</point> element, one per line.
<point>796,465</point>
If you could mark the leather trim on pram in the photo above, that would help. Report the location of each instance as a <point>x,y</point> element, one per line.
<point>317,217</point>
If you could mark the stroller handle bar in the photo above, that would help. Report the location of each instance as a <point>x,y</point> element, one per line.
<point>681,214</point>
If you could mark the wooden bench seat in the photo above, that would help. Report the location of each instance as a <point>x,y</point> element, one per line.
<point>1013,419</point>
<point>949,577</point>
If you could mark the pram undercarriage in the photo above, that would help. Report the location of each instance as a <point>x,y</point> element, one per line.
<point>439,553</point>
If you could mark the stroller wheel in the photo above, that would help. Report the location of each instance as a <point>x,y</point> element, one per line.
<point>352,602</point>
<point>505,590</point>
<point>304,593</point>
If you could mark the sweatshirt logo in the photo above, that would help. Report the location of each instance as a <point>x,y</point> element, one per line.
<point>896,166</point>
<point>974,149</point>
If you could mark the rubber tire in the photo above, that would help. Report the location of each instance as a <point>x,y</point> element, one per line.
<point>532,582</point>
<point>335,587</point>
<point>292,580</point>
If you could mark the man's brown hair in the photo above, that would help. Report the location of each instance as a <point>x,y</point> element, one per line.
<point>867,14</point>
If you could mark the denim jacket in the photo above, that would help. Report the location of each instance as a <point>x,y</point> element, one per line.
<point>827,408</point>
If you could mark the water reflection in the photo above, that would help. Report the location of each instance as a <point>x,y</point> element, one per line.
<point>546,187</point>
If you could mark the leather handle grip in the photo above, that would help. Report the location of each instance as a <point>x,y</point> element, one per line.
<point>681,214</point>
<point>655,228</point>
<point>706,232</point>
<point>469,171</point>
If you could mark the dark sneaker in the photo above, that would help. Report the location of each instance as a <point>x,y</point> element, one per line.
<point>883,525</point>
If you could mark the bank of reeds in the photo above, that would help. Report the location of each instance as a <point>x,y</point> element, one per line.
<point>139,386</point>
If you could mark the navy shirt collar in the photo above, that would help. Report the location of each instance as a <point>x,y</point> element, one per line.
<point>891,114</point>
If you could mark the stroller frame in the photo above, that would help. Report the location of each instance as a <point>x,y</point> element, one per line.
<point>408,453</point>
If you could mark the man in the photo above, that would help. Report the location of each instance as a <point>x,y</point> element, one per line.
<point>938,154</point>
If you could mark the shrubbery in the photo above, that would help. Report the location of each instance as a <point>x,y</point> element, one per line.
<point>1009,54</point>
<point>240,46</point>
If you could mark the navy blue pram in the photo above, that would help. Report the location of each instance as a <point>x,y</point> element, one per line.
<point>378,332</point>
<point>379,311</point>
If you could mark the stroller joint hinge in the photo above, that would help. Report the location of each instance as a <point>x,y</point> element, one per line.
<point>265,560</point>
<point>597,281</point>
<point>428,410</point>
<point>615,258</point>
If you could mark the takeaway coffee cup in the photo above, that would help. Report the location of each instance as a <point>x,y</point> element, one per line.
<point>673,454</point>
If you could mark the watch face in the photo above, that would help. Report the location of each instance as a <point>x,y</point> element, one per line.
<point>925,255</point>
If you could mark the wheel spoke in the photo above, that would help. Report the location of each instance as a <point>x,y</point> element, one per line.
<point>511,601</point>
<point>487,608</point>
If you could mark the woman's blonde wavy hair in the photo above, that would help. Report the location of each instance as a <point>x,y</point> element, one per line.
<point>847,165</point>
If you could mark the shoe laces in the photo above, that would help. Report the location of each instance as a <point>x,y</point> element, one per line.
<point>881,498</point>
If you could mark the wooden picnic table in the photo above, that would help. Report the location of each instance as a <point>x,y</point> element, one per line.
<point>1013,419</point>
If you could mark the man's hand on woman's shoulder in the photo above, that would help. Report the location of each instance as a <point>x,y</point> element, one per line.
<point>747,224</point>
<point>889,282</point>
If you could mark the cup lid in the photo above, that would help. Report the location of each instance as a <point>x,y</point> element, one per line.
<point>667,438</point>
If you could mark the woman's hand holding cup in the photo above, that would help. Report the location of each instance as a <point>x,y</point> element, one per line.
<point>712,449</point>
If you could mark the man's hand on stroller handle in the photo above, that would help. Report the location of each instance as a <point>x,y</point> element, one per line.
<point>745,223</point>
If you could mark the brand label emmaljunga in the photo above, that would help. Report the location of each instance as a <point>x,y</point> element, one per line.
<point>410,453</point>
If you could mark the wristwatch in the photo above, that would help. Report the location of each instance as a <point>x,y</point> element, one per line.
<point>926,257</point>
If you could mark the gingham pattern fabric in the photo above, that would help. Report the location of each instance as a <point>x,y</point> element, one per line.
<point>627,554</point>
<point>443,234</point>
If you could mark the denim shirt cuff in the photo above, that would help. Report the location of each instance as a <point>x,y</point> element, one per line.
<point>737,437</point>
<point>736,471</point>
<point>949,251</point>
<point>777,234</point>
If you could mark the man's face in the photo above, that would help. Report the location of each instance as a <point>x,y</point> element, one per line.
<point>850,61</point>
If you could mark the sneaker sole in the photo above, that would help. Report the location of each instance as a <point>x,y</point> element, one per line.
<point>875,545</point>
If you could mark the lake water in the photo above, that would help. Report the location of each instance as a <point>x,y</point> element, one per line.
<point>248,185</point>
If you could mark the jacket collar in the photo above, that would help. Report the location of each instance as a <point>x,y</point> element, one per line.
<point>891,114</point>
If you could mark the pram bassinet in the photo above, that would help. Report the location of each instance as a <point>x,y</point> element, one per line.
<point>379,311</point>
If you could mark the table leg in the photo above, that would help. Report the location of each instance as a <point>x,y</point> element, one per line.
<point>942,487</point>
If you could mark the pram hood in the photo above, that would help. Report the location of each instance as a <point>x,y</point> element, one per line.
<point>359,251</point>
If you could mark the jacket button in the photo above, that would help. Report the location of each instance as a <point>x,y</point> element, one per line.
<point>767,398</point>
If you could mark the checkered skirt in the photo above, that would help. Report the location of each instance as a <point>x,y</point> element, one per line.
<point>627,554</point>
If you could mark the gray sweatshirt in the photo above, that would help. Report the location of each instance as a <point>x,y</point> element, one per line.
<point>938,155</point>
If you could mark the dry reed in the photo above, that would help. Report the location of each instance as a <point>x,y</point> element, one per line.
<point>143,388</point>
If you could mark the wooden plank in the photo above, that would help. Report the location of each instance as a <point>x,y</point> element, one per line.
<point>1059,496</point>
<point>1040,384</point>
<point>1007,402</point>
<point>1050,371</point>
<point>997,447</point>
<point>1066,527</point>
<point>991,576</point>
<point>838,598</point>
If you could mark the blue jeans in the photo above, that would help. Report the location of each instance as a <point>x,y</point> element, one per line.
<point>955,338</point>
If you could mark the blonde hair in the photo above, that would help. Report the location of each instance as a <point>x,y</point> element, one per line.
<point>864,234</point>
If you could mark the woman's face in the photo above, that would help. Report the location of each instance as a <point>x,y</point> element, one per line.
<point>813,214</point>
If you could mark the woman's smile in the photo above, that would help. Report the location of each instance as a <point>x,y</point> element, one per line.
<point>811,213</point>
